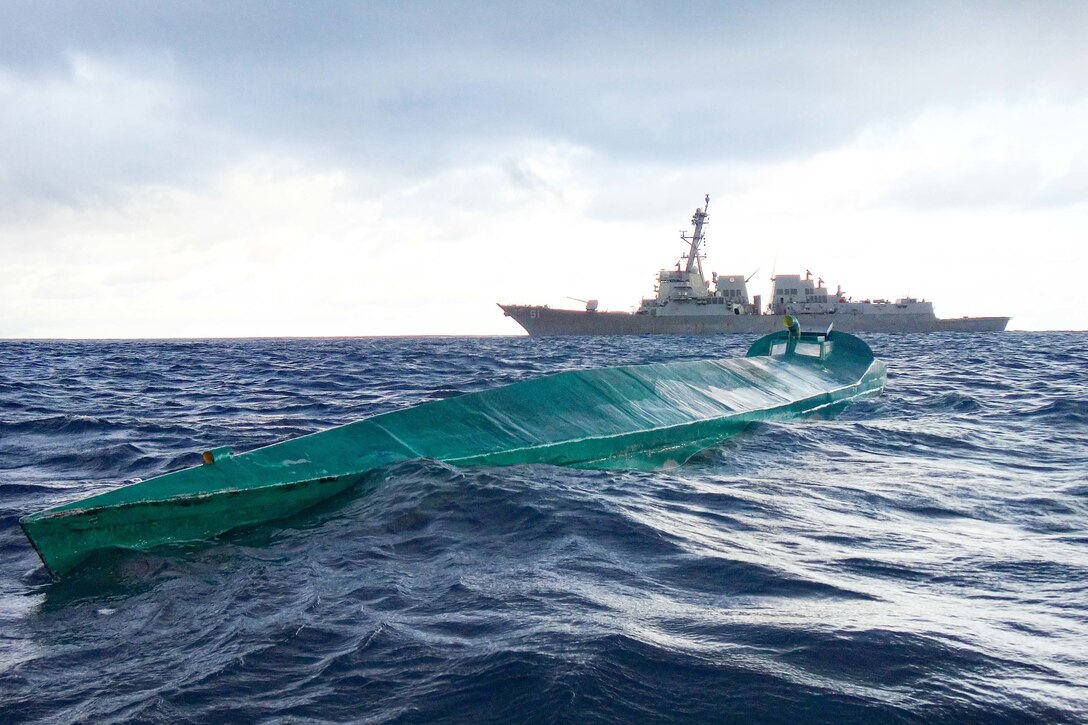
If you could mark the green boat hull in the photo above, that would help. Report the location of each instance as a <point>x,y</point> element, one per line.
<point>624,417</point>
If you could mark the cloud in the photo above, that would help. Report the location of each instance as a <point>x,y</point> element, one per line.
<point>107,95</point>
<point>1022,155</point>
<point>95,129</point>
<point>274,246</point>
<point>194,168</point>
<point>1070,187</point>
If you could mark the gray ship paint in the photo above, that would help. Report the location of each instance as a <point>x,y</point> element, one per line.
<point>685,304</point>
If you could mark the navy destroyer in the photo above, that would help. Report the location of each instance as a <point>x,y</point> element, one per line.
<point>687,304</point>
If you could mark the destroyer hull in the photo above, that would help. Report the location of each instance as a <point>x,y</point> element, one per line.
<point>541,321</point>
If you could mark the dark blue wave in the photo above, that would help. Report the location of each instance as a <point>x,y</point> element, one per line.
<point>1063,411</point>
<point>66,425</point>
<point>918,557</point>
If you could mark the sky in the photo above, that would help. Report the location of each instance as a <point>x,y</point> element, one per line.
<point>208,169</point>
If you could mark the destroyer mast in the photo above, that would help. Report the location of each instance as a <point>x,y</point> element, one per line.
<point>698,220</point>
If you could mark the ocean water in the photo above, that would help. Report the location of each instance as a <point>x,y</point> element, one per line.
<point>922,556</point>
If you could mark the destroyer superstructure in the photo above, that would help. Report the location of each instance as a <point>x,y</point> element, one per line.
<point>685,303</point>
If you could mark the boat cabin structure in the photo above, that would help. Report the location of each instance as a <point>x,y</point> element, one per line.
<point>684,290</point>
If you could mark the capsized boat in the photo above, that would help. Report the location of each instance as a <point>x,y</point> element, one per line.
<point>620,417</point>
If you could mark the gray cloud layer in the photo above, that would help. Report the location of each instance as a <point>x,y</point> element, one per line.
<point>100,96</point>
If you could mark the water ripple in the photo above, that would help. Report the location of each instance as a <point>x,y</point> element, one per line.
<point>918,557</point>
